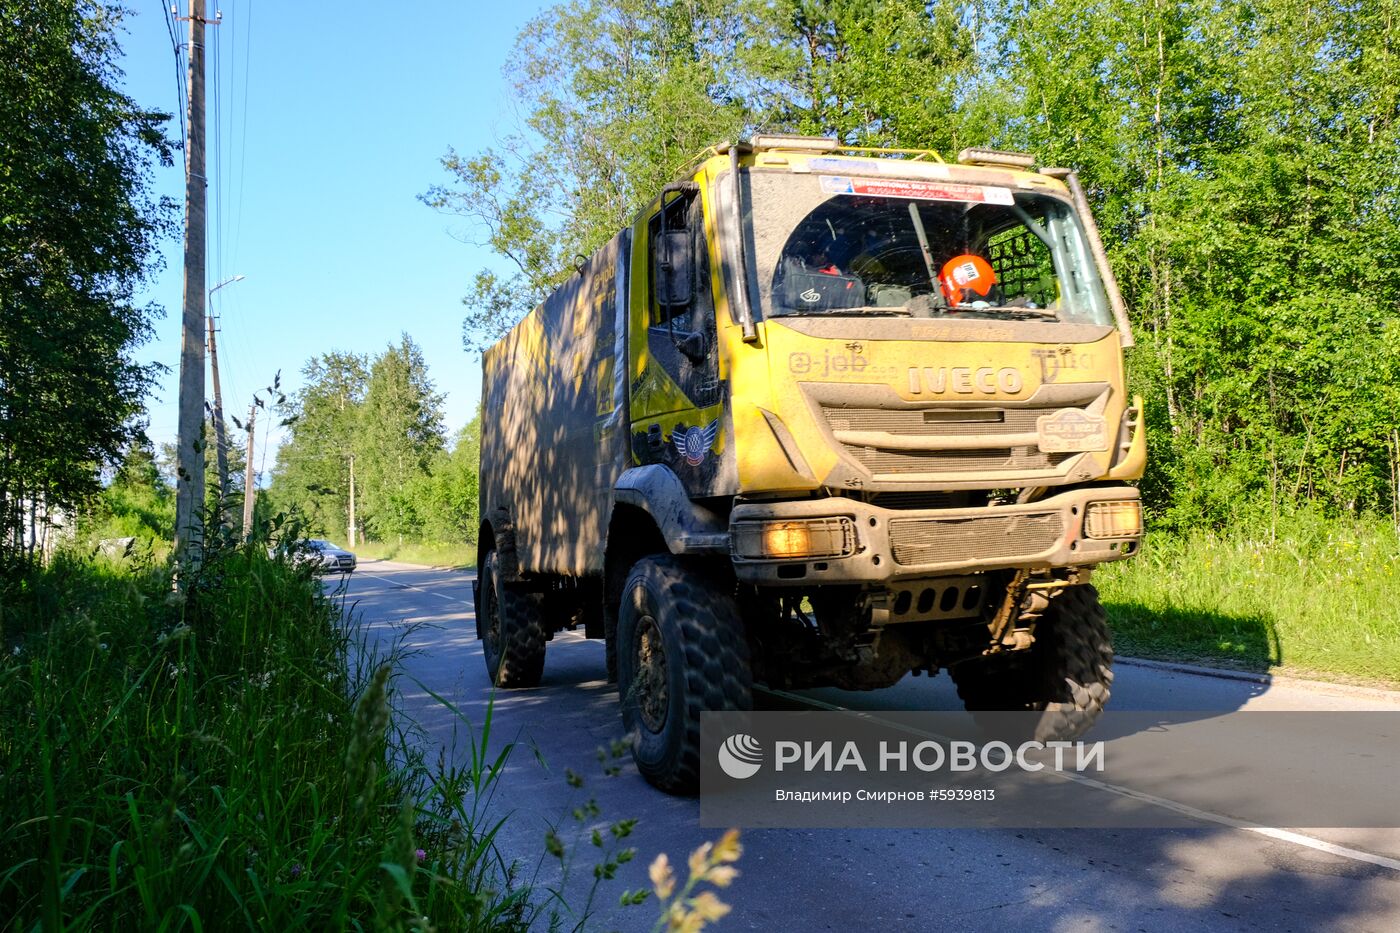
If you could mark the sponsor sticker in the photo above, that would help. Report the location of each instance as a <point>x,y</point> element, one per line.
<point>900,167</point>
<point>919,190</point>
<point>1071,430</point>
<point>693,444</point>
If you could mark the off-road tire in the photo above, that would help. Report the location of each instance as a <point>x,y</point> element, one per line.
<point>691,611</point>
<point>510,628</point>
<point>1066,675</point>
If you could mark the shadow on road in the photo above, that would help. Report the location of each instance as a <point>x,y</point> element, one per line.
<point>1242,642</point>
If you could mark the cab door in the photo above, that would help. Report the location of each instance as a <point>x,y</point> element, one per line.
<point>675,392</point>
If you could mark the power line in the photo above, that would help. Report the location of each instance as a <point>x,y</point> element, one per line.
<point>180,90</point>
<point>217,176</point>
<point>243,141</point>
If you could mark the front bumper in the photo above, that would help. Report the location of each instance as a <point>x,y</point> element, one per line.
<point>896,544</point>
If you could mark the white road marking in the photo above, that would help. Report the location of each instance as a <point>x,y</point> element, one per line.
<point>410,586</point>
<point>1283,835</point>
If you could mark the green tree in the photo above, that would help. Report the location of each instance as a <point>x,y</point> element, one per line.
<point>445,498</point>
<point>399,435</point>
<point>1241,158</point>
<point>136,503</point>
<point>619,95</point>
<point>868,72</point>
<point>312,473</point>
<point>78,229</point>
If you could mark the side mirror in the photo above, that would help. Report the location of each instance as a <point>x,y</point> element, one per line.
<point>674,275</point>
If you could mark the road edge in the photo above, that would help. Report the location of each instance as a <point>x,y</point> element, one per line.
<point>1268,680</point>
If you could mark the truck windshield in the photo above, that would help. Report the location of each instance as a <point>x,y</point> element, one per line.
<point>837,245</point>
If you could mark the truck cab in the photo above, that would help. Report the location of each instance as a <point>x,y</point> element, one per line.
<point>819,416</point>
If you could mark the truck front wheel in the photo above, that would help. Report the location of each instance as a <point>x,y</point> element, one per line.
<point>681,651</point>
<point>1066,675</point>
<point>511,631</point>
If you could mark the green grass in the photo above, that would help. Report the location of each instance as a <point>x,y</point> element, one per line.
<point>226,761</point>
<point>430,555</point>
<point>1314,597</point>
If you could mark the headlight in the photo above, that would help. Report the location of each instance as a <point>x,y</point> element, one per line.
<point>788,540</point>
<point>1113,519</point>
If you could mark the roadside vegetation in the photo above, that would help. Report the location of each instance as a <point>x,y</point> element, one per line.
<point>232,758</point>
<point>1315,597</point>
<point>458,556</point>
<point>225,758</point>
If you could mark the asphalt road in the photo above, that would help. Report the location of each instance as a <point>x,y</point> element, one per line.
<point>1215,877</point>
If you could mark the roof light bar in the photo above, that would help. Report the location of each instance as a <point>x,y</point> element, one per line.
<point>803,143</point>
<point>978,156</point>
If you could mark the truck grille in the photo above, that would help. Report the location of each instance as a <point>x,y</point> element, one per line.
<point>903,438</point>
<point>878,460</point>
<point>916,541</point>
<point>915,422</point>
<point>923,499</point>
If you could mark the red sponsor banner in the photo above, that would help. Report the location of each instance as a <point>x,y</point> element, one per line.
<point>921,190</point>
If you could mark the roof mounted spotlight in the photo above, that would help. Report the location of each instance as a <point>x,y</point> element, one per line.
<point>798,143</point>
<point>978,156</point>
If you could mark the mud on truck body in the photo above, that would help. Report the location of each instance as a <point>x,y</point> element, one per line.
<point>752,440</point>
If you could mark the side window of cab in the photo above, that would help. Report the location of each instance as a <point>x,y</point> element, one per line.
<point>681,333</point>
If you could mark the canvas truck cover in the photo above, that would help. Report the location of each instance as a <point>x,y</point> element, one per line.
<point>553,423</point>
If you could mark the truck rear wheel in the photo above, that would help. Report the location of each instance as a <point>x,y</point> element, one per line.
<point>681,651</point>
<point>511,631</point>
<point>1066,675</point>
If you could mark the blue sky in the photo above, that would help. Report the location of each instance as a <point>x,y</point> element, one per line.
<point>312,197</point>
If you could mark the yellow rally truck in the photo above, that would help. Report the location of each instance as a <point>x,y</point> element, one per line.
<point>820,416</point>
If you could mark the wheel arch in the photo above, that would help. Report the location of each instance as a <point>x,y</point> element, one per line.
<point>652,514</point>
<point>686,526</point>
<point>493,533</point>
<point>632,535</point>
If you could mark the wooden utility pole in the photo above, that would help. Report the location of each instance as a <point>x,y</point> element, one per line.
<point>189,480</point>
<point>250,490</point>
<point>220,429</point>
<point>352,501</point>
<point>220,433</point>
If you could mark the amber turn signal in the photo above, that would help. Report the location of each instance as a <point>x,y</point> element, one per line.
<point>793,540</point>
<point>1113,519</point>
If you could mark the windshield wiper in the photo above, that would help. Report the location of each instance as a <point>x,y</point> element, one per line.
<point>923,245</point>
<point>871,311</point>
<point>1007,309</point>
<point>924,306</point>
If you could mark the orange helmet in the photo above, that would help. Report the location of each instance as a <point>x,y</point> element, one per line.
<point>967,273</point>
